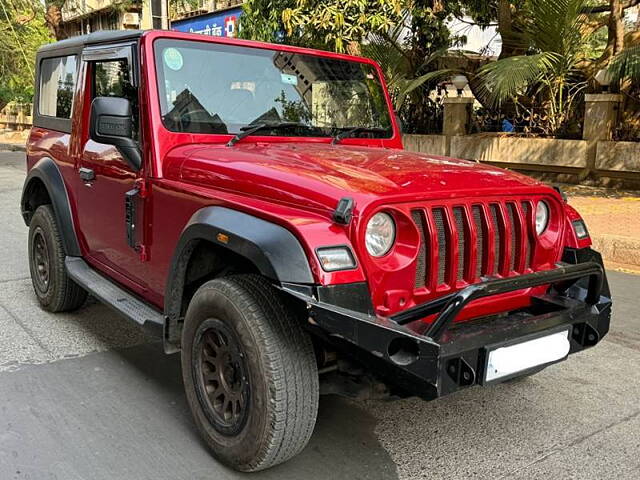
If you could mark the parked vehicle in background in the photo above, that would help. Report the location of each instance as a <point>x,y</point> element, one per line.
<point>253,205</point>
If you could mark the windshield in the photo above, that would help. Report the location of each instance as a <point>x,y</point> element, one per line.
<point>214,88</point>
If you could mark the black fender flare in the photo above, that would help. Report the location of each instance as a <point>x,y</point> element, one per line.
<point>46,171</point>
<point>273,249</point>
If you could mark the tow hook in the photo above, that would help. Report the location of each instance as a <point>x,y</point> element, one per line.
<point>585,334</point>
<point>461,372</point>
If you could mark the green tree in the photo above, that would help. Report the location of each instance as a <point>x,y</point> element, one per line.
<point>22,31</point>
<point>262,20</point>
<point>177,7</point>
<point>340,25</point>
<point>626,65</point>
<point>409,38</point>
<point>414,55</point>
<point>547,74</point>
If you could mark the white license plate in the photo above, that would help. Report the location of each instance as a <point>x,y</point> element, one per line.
<point>504,361</point>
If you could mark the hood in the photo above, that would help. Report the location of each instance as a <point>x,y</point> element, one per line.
<point>319,174</point>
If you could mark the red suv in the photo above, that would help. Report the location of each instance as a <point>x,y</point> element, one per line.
<point>253,205</point>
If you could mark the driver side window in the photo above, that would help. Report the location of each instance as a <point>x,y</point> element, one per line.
<point>112,78</point>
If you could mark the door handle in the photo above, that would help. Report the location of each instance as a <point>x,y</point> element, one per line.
<point>87,175</point>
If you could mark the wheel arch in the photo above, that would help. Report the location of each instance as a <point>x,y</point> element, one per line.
<point>44,185</point>
<point>249,243</point>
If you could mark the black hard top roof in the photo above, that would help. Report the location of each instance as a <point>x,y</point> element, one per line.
<point>101,36</point>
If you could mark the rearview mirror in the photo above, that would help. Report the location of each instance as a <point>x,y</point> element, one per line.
<point>112,124</point>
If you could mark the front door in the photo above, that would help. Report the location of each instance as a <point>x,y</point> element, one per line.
<point>105,175</point>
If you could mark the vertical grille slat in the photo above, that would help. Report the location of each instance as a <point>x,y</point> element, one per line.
<point>443,260</point>
<point>497,238</point>
<point>528,234</point>
<point>480,235</point>
<point>421,267</point>
<point>514,234</point>
<point>458,215</point>
<point>521,237</point>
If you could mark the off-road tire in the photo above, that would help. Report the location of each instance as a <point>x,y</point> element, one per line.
<point>277,359</point>
<point>54,289</point>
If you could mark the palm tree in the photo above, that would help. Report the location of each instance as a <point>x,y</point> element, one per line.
<point>556,40</point>
<point>402,73</point>
<point>626,65</point>
<point>410,77</point>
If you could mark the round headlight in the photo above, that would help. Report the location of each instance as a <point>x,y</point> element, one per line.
<point>380,235</point>
<point>542,217</point>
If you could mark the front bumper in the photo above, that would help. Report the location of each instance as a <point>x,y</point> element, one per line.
<point>452,356</point>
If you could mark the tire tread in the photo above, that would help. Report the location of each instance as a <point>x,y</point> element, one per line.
<point>288,354</point>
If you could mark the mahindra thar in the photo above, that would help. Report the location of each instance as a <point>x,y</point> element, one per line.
<point>253,205</point>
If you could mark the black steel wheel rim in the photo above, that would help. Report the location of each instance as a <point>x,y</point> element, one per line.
<point>221,377</point>
<point>40,260</point>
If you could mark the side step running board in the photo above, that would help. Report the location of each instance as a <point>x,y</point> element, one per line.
<point>114,296</point>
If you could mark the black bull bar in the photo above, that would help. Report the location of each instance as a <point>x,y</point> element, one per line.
<point>449,356</point>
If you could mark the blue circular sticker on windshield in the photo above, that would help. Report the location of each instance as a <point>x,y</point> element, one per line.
<point>173,58</point>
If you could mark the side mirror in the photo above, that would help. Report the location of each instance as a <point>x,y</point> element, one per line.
<point>112,124</point>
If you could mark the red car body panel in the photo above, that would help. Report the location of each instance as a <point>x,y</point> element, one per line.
<point>294,182</point>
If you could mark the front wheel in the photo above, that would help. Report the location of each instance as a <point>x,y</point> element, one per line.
<point>249,373</point>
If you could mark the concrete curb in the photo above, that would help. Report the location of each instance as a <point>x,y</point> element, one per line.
<point>13,147</point>
<point>617,248</point>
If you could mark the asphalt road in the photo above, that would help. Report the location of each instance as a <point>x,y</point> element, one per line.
<point>87,396</point>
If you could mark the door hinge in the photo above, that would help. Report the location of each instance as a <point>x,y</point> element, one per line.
<point>142,251</point>
<point>141,185</point>
<point>134,216</point>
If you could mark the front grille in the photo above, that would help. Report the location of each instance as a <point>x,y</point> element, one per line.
<point>500,231</point>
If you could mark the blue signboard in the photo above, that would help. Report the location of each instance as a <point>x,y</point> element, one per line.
<point>217,24</point>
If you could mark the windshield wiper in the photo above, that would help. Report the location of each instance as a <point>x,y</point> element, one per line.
<point>251,129</point>
<point>347,133</point>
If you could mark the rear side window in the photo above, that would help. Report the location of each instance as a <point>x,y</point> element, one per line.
<point>57,83</point>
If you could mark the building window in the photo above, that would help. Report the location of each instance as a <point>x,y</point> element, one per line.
<point>57,84</point>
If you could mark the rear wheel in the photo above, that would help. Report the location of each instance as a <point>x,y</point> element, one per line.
<point>55,290</point>
<point>249,372</point>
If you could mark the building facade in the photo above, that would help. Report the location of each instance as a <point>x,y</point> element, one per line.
<point>86,16</point>
<point>218,18</point>
<point>209,17</point>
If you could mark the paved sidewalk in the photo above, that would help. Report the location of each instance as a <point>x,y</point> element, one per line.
<point>614,225</point>
<point>13,141</point>
<point>12,147</point>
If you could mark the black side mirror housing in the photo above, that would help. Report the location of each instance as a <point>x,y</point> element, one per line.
<point>112,124</point>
